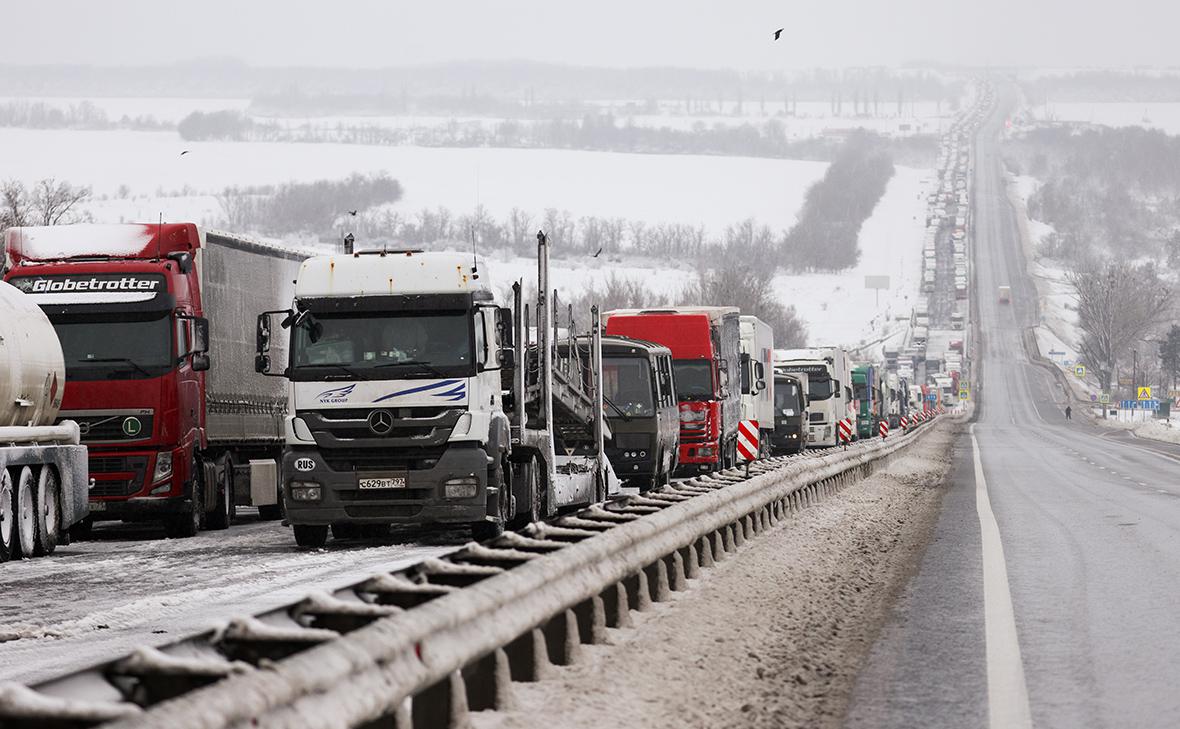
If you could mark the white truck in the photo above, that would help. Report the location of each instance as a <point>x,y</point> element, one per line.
<point>757,345</point>
<point>416,399</point>
<point>829,389</point>
<point>43,473</point>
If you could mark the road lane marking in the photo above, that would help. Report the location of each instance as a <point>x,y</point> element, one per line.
<point>1007,694</point>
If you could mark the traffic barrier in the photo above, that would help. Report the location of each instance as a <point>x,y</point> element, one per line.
<point>748,440</point>
<point>904,422</point>
<point>499,611</point>
<point>844,431</point>
<point>883,428</point>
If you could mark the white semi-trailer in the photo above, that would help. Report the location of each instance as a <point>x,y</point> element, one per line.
<point>416,399</point>
<point>757,343</point>
<point>829,390</point>
<point>43,474</point>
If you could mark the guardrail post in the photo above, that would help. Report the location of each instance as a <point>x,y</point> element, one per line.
<point>692,562</point>
<point>723,543</point>
<point>528,658</point>
<point>705,550</point>
<point>442,706</point>
<point>657,580</point>
<point>677,582</point>
<point>489,682</point>
<point>561,638</point>
<point>618,612</point>
<point>638,593</point>
<point>591,615</point>
<point>739,532</point>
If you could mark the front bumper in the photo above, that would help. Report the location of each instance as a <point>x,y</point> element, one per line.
<point>628,467</point>
<point>139,508</point>
<point>422,501</point>
<point>788,439</point>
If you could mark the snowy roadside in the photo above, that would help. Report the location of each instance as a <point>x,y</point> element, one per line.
<point>96,600</point>
<point>772,637</point>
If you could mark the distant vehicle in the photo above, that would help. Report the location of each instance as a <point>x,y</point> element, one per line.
<point>928,281</point>
<point>867,392</point>
<point>1005,294</point>
<point>706,365</point>
<point>642,410</point>
<point>957,320</point>
<point>790,413</point>
<point>757,344</point>
<point>43,473</point>
<point>919,336</point>
<point>829,389</point>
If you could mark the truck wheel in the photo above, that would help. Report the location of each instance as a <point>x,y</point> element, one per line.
<point>310,535</point>
<point>482,531</point>
<point>223,514</point>
<point>48,512</point>
<point>7,517</point>
<point>531,472</point>
<point>183,526</point>
<point>26,513</point>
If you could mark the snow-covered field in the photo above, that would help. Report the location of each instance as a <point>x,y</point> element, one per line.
<point>709,190</point>
<point>1161,115</point>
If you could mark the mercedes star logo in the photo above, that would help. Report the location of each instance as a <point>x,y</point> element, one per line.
<point>381,422</point>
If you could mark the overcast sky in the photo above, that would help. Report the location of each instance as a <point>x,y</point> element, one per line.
<point>695,33</point>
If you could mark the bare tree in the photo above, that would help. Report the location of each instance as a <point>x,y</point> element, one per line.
<point>17,209</point>
<point>733,277</point>
<point>237,209</point>
<point>519,227</point>
<point>56,203</point>
<point>1118,304</point>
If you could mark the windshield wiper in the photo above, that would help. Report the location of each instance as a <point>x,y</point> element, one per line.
<point>626,418</point>
<point>420,364</point>
<point>354,374</point>
<point>129,361</point>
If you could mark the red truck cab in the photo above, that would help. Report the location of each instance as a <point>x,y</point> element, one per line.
<point>125,305</point>
<point>703,368</point>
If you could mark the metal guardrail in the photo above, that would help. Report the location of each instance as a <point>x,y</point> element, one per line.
<point>422,647</point>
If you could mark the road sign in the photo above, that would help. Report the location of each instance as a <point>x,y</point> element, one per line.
<point>964,393</point>
<point>1144,393</point>
<point>844,430</point>
<point>1080,370</point>
<point>1104,398</point>
<point>747,444</point>
<point>1093,397</point>
<point>1126,381</point>
<point>1149,404</point>
<point>883,428</point>
<point>1128,404</point>
<point>932,397</point>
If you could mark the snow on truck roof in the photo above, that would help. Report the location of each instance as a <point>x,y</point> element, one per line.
<point>381,273</point>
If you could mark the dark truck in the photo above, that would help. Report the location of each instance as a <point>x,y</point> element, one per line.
<point>790,414</point>
<point>642,410</point>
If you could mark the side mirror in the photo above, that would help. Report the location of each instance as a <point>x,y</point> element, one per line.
<point>261,364</point>
<point>759,385</point>
<point>200,362</point>
<point>504,322</point>
<point>201,336</point>
<point>507,358</point>
<point>262,335</point>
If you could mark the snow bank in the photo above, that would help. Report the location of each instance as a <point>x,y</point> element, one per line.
<point>57,242</point>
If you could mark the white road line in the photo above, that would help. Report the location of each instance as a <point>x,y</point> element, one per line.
<point>1007,694</point>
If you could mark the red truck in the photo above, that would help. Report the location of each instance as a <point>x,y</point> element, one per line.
<point>157,325</point>
<point>706,361</point>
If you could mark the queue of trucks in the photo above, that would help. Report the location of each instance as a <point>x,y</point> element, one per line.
<point>178,374</point>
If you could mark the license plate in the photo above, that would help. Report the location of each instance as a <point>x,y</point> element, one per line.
<point>98,505</point>
<point>389,482</point>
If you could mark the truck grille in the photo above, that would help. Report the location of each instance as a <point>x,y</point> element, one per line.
<point>381,459</point>
<point>126,473</point>
<point>816,418</point>
<point>112,427</point>
<point>410,427</point>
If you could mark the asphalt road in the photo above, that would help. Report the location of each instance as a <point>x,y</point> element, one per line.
<point>1064,609</point>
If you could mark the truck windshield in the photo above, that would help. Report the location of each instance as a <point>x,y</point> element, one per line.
<point>786,397</point>
<point>381,345</point>
<point>627,383</point>
<point>860,391</point>
<point>133,347</point>
<point>693,378</point>
<point>819,388</point>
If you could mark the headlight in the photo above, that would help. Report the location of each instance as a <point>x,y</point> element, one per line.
<point>461,488</point>
<point>305,491</point>
<point>163,468</point>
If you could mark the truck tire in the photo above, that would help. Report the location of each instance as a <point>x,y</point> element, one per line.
<point>187,524</point>
<point>530,470</point>
<point>481,531</point>
<point>48,512</point>
<point>310,535</point>
<point>7,516</point>
<point>225,511</point>
<point>25,494</point>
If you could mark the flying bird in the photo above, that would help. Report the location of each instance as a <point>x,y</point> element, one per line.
<point>778,32</point>
<point>184,153</point>
<point>352,212</point>
<point>596,253</point>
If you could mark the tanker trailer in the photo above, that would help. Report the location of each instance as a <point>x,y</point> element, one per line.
<point>43,469</point>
